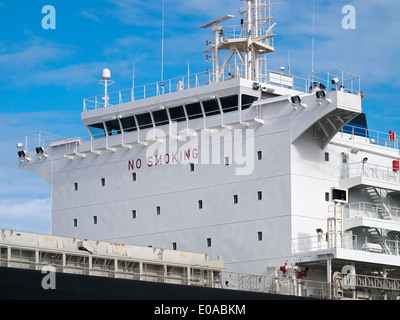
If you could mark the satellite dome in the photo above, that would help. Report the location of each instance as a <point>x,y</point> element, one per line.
<point>106,74</point>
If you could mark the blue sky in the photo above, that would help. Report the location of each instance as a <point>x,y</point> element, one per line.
<point>47,73</point>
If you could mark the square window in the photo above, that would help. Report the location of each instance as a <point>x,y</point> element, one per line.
<point>191,166</point>
<point>133,176</point>
<point>259,195</point>
<point>75,223</point>
<point>94,219</point>
<point>158,210</point>
<point>133,214</point>
<point>103,182</point>
<point>200,202</point>
<point>76,186</point>
<point>327,196</point>
<point>208,242</point>
<point>235,199</point>
<point>259,155</point>
<point>174,246</point>
<point>326,156</point>
<point>259,235</point>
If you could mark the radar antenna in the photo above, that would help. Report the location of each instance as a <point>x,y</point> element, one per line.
<point>106,76</point>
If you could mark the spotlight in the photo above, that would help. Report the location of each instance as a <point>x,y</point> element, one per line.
<point>21,154</point>
<point>39,150</point>
<point>364,160</point>
<point>320,94</point>
<point>296,100</point>
<point>256,86</point>
<point>335,81</point>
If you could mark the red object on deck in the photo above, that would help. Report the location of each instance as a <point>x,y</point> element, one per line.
<point>392,135</point>
<point>396,165</point>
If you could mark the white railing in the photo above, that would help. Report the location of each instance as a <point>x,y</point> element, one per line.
<point>235,70</point>
<point>369,136</point>
<point>371,171</point>
<point>371,210</point>
<point>39,139</point>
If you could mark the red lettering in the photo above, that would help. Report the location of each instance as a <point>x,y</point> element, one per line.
<point>195,153</point>
<point>175,157</point>
<point>166,158</point>
<point>131,165</point>
<point>150,161</point>
<point>138,163</point>
<point>187,154</point>
<point>158,160</point>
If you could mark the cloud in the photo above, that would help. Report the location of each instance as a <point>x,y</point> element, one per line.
<point>32,215</point>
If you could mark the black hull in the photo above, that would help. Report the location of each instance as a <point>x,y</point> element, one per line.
<point>21,284</point>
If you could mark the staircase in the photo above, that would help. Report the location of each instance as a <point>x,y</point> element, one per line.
<point>383,211</point>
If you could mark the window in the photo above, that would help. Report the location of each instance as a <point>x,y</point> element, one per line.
<point>208,242</point>
<point>158,210</point>
<point>160,117</point>
<point>133,176</point>
<point>211,107</point>
<point>259,195</point>
<point>144,121</point>
<point>326,156</point>
<point>76,186</point>
<point>259,155</point>
<point>193,110</point>
<point>113,127</point>
<point>174,246</point>
<point>94,219</point>
<point>97,130</point>
<point>128,124</point>
<point>75,223</point>
<point>133,214</point>
<point>229,103</point>
<point>177,114</point>
<point>200,203</point>
<point>191,166</point>
<point>235,199</point>
<point>103,182</point>
<point>227,161</point>
<point>326,196</point>
<point>259,235</point>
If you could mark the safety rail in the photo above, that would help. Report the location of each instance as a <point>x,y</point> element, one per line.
<point>369,136</point>
<point>371,210</point>
<point>235,70</point>
<point>369,170</point>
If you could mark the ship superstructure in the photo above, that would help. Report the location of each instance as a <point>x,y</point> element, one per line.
<point>266,169</point>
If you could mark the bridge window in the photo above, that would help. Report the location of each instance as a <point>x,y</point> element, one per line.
<point>97,130</point>
<point>113,127</point>
<point>144,121</point>
<point>247,101</point>
<point>193,110</point>
<point>211,107</point>
<point>177,114</point>
<point>160,117</point>
<point>229,103</point>
<point>128,124</point>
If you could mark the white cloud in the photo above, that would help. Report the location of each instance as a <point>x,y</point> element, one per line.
<point>32,215</point>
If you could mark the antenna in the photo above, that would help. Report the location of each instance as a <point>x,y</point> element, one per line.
<point>162,43</point>
<point>106,76</point>
<point>313,41</point>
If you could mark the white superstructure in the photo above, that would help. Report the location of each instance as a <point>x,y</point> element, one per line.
<point>237,161</point>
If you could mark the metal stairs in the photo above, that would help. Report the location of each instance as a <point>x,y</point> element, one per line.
<point>378,235</point>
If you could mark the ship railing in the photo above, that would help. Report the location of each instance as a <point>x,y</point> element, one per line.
<point>369,136</point>
<point>372,210</point>
<point>231,71</point>
<point>369,170</point>
<point>293,285</point>
<point>321,242</point>
<point>39,139</point>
